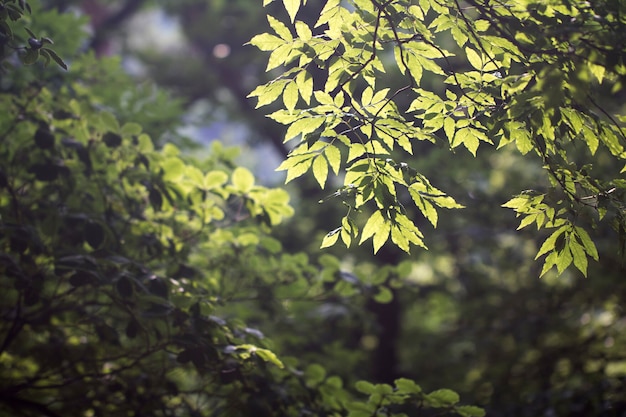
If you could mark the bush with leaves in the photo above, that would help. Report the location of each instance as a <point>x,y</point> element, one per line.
<point>123,267</point>
<point>526,73</point>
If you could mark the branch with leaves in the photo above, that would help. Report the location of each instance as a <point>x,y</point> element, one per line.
<point>474,73</point>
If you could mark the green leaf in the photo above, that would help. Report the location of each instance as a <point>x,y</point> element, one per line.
<point>173,169</point>
<point>304,81</point>
<point>549,262</point>
<point>131,129</point>
<point>579,256</point>
<point>243,180</point>
<point>330,239</point>
<point>449,128</point>
<point>303,31</point>
<point>550,243</point>
<point>597,70</point>
<point>30,32</point>
<point>586,241</point>
<point>266,42</point>
<point>365,387</point>
<point>442,398</point>
<point>303,127</point>
<point>373,225</point>
<point>56,58</point>
<point>280,28</point>
<point>144,143</point>
<point>384,295</point>
<point>290,96</point>
<point>474,59</point>
<point>591,138</point>
<point>407,386</point>
<point>214,179</point>
<point>109,122</point>
<point>298,169</point>
<point>425,207</point>
<point>314,374</point>
<point>470,411</point>
<point>333,155</point>
<point>564,259</point>
<point>268,93</point>
<point>530,219</point>
<point>381,236</point>
<point>292,7</point>
<point>320,169</point>
<point>348,230</point>
<point>400,238</point>
<point>470,138</point>
<point>269,356</point>
<point>522,141</point>
<point>360,409</point>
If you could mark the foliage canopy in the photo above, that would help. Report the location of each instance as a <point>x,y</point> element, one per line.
<point>529,74</point>
<point>126,266</point>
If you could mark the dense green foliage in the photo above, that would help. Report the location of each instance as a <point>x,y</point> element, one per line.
<point>525,72</point>
<point>140,278</point>
<point>134,277</point>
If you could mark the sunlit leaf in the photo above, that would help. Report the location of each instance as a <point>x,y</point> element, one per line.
<point>242,179</point>
<point>292,7</point>
<point>320,170</point>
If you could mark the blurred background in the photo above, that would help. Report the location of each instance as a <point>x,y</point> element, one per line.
<point>472,315</point>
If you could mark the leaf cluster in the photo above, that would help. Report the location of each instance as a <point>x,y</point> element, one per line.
<point>470,75</point>
<point>34,47</point>
<point>128,268</point>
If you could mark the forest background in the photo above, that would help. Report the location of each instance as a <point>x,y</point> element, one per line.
<point>146,272</point>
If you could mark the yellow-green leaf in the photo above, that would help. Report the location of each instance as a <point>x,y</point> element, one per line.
<point>330,239</point>
<point>242,179</point>
<point>597,70</point>
<point>346,231</point>
<point>384,295</point>
<point>173,169</point>
<point>214,179</point>
<point>279,56</point>
<point>333,155</point>
<point>469,137</point>
<point>320,170</point>
<point>587,243</point>
<point>303,127</point>
<point>527,220</point>
<point>266,42</point>
<point>290,96</point>
<point>474,59</point>
<point>109,121</point>
<point>381,236</point>
<point>304,81</point>
<point>373,224</point>
<point>280,28</point>
<point>269,356</point>
<point>449,127</point>
<point>399,238</point>
<point>550,243</point>
<point>563,260</point>
<point>579,255</point>
<point>298,170</point>
<point>303,31</point>
<point>292,7</point>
